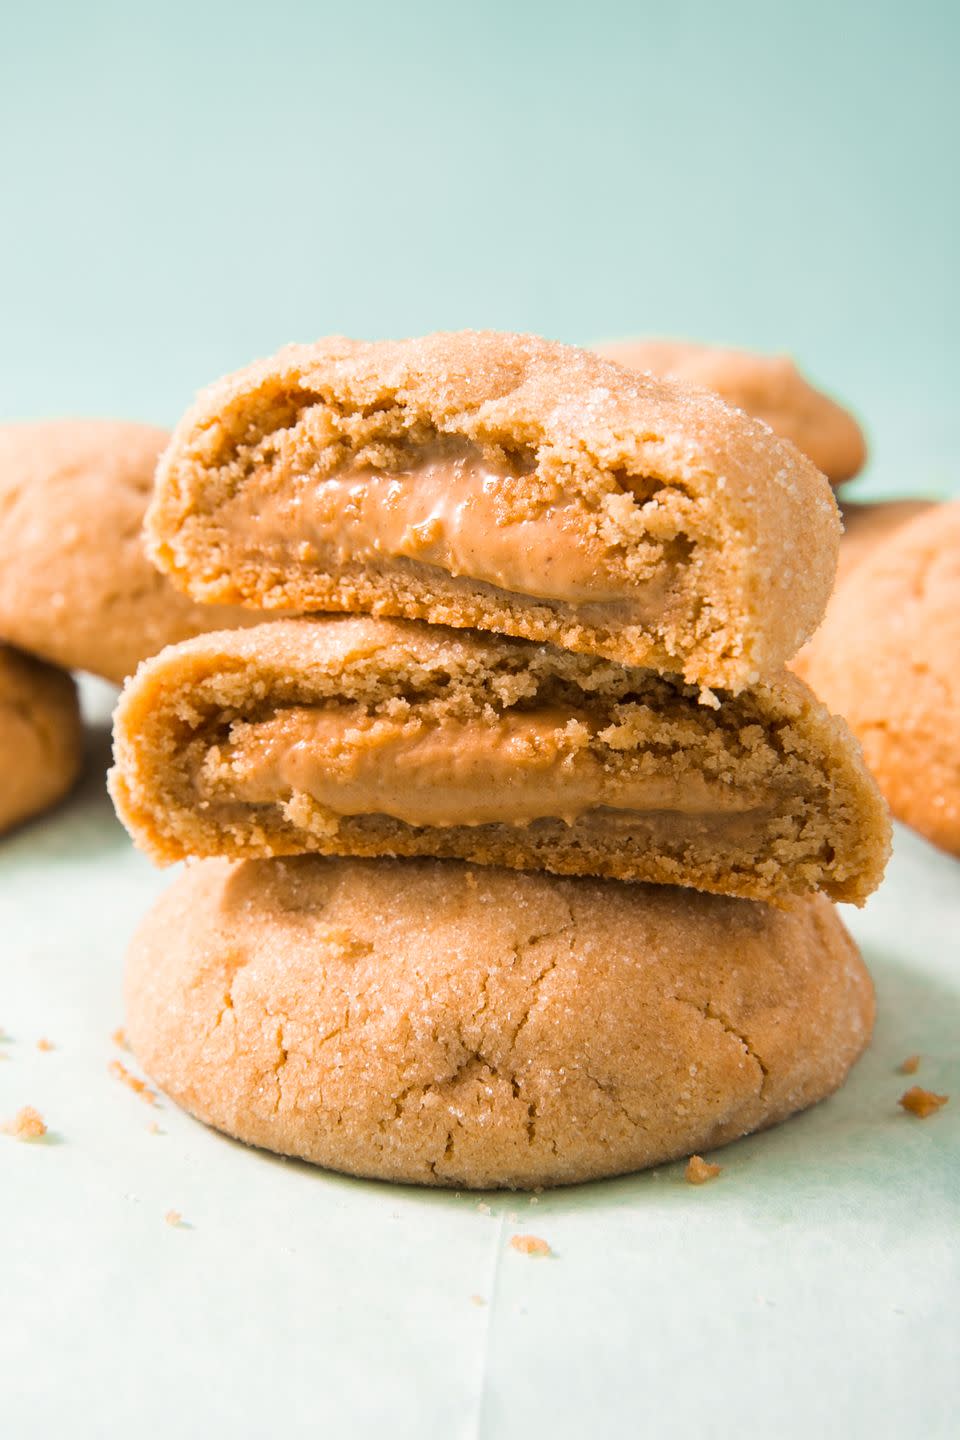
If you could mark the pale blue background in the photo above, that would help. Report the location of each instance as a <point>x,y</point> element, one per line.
<point>187,186</point>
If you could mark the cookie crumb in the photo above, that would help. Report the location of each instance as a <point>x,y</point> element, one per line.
<point>27,1124</point>
<point>139,1087</point>
<point>910,1066</point>
<point>530,1245</point>
<point>153,1128</point>
<point>922,1102</point>
<point>477,1300</point>
<point>483,1207</point>
<point>699,1171</point>
<point>173,1218</point>
<point>119,1038</point>
<point>44,1044</point>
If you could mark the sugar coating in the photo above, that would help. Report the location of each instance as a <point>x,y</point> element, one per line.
<point>769,387</point>
<point>387,1019</point>
<point>75,585</point>
<point>733,532</point>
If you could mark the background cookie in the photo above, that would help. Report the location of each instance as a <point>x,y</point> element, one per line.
<point>75,585</point>
<point>358,736</point>
<point>887,657</point>
<point>502,482</point>
<point>767,386</point>
<point>40,736</point>
<point>422,1021</point>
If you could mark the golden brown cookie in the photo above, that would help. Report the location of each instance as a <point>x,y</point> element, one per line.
<point>506,483</point>
<point>75,585</point>
<point>888,658</point>
<point>40,736</point>
<point>357,736</point>
<point>767,386</point>
<point>422,1021</point>
<point>867,524</point>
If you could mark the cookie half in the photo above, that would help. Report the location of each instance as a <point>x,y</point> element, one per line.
<point>75,584</point>
<point>505,483</point>
<point>767,386</point>
<point>375,737</point>
<point>40,736</point>
<point>425,1022</point>
<point>888,656</point>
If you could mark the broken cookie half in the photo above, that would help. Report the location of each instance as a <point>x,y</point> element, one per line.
<point>505,483</point>
<point>358,736</point>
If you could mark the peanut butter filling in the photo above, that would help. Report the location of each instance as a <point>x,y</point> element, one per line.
<point>515,769</point>
<point>456,511</point>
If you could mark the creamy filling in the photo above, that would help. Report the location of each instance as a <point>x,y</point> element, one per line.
<point>523,767</point>
<point>456,511</point>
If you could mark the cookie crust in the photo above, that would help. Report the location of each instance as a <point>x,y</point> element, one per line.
<point>824,825</point>
<point>422,1021</point>
<point>729,533</point>
<point>40,736</point>
<point>769,387</point>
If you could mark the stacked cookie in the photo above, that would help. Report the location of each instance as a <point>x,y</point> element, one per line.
<point>562,834</point>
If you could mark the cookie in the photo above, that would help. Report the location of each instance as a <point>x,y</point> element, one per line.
<point>75,585</point>
<point>505,483</point>
<point>358,736</point>
<point>40,736</point>
<point>867,525</point>
<point>422,1021</point>
<point>888,658</point>
<point>767,386</point>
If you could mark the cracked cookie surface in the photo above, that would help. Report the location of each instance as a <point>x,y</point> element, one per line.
<point>41,741</point>
<point>887,659</point>
<point>427,1021</point>
<point>506,483</point>
<point>75,585</point>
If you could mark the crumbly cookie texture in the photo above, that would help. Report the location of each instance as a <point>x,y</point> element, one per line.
<point>762,794</point>
<point>506,483</point>
<point>886,658</point>
<point>423,1021</point>
<point>769,387</point>
<point>75,585</point>
<point>41,742</point>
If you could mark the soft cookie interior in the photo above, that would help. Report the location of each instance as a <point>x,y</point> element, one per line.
<point>499,753</point>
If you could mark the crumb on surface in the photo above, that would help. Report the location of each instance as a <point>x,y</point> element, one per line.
<point>483,1207</point>
<point>530,1245</point>
<point>922,1102</point>
<point>139,1087</point>
<point>173,1217</point>
<point>44,1044</point>
<point>119,1038</point>
<point>910,1066</point>
<point>477,1300</point>
<point>27,1124</point>
<point>154,1129</point>
<point>699,1171</point>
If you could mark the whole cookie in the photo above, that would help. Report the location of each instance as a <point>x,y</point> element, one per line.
<point>423,1021</point>
<point>75,585</point>
<point>40,736</point>
<point>505,483</point>
<point>888,658</point>
<point>351,735</point>
<point>767,386</point>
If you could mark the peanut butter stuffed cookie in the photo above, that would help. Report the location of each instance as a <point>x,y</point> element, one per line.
<point>505,483</point>
<point>422,1021</point>
<point>40,736</point>
<point>358,736</point>
<point>888,658</point>
<point>75,585</point>
<point>767,386</point>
